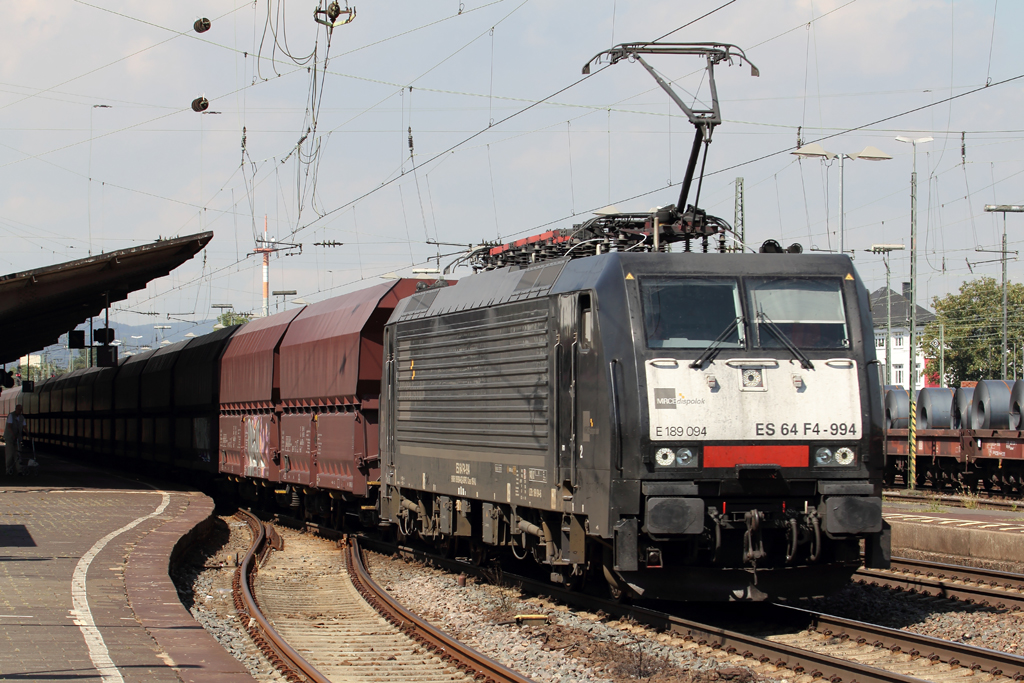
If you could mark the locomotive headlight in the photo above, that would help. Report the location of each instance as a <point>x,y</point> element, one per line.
<point>685,457</point>
<point>665,457</point>
<point>823,456</point>
<point>844,456</point>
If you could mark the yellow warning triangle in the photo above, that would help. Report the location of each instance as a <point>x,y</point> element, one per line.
<point>629,276</point>
<point>849,276</point>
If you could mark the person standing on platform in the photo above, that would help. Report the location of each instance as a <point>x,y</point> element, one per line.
<point>12,440</point>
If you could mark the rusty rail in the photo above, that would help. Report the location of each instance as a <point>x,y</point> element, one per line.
<point>956,572</point>
<point>450,650</point>
<point>289,662</point>
<point>916,645</point>
<point>983,501</point>
<point>954,582</point>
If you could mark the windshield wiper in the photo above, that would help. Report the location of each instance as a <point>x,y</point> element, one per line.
<point>714,347</point>
<point>805,362</point>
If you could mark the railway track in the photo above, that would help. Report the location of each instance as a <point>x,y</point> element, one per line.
<point>820,645</point>
<point>316,626</point>
<point>1002,590</point>
<point>904,651</point>
<point>981,502</point>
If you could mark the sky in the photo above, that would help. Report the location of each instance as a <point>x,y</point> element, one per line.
<point>308,133</point>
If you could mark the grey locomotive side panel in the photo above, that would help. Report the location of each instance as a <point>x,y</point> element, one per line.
<point>472,403</point>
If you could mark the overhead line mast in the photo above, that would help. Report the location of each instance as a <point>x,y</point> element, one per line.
<point>266,247</point>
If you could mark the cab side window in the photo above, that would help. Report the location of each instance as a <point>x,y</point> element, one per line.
<point>586,323</point>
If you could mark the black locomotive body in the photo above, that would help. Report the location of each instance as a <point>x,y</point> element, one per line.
<point>688,426</point>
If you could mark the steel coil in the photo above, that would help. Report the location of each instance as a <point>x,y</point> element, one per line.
<point>935,408</point>
<point>991,405</point>
<point>1016,403</point>
<point>897,408</point>
<point>962,407</point>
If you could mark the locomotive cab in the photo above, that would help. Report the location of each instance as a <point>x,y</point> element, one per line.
<point>757,444</point>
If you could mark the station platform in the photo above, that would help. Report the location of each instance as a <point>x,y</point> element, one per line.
<point>84,589</point>
<point>990,538</point>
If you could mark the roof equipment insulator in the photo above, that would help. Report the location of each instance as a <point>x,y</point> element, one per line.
<point>202,25</point>
<point>795,248</point>
<point>771,247</point>
<point>200,104</point>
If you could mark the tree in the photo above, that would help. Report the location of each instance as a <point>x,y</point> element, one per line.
<point>229,318</point>
<point>973,331</point>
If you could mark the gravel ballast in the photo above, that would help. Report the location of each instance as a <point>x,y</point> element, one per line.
<point>571,647</point>
<point>203,579</point>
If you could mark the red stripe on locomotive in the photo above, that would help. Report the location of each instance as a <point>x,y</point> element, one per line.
<point>730,456</point>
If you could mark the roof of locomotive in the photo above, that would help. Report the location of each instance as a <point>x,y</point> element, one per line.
<point>510,284</point>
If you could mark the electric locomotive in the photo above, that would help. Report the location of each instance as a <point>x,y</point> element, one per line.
<point>689,426</point>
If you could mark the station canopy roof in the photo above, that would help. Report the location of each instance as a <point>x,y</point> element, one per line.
<point>37,306</point>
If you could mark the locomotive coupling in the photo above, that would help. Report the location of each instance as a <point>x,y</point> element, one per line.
<point>799,529</point>
<point>753,545</point>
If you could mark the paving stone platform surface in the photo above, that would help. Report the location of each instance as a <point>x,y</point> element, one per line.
<point>84,590</point>
<point>991,535</point>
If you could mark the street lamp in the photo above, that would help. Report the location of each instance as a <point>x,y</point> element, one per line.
<point>884,250</point>
<point>912,434</point>
<point>869,153</point>
<point>1004,209</point>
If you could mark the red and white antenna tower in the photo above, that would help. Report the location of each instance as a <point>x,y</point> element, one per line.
<point>266,247</point>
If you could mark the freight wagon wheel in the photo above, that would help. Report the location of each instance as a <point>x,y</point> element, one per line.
<point>889,477</point>
<point>971,483</point>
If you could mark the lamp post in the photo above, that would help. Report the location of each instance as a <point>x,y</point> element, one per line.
<point>283,293</point>
<point>1004,209</point>
<point>884,250</point>
<point>869,153</point>
<point>912,436</point>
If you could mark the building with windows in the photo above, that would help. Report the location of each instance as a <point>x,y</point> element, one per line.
<point>899,342</point>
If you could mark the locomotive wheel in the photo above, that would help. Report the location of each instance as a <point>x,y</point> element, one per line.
<point>617,594</point>
<point>574,577</point>
<point>446,546</point>
<point>477,553</point>
<point>615,589</point>
<point>395,531</point>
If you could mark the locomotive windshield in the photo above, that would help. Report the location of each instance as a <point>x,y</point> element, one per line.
<point>807,311</point>
<point>691,313</point>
